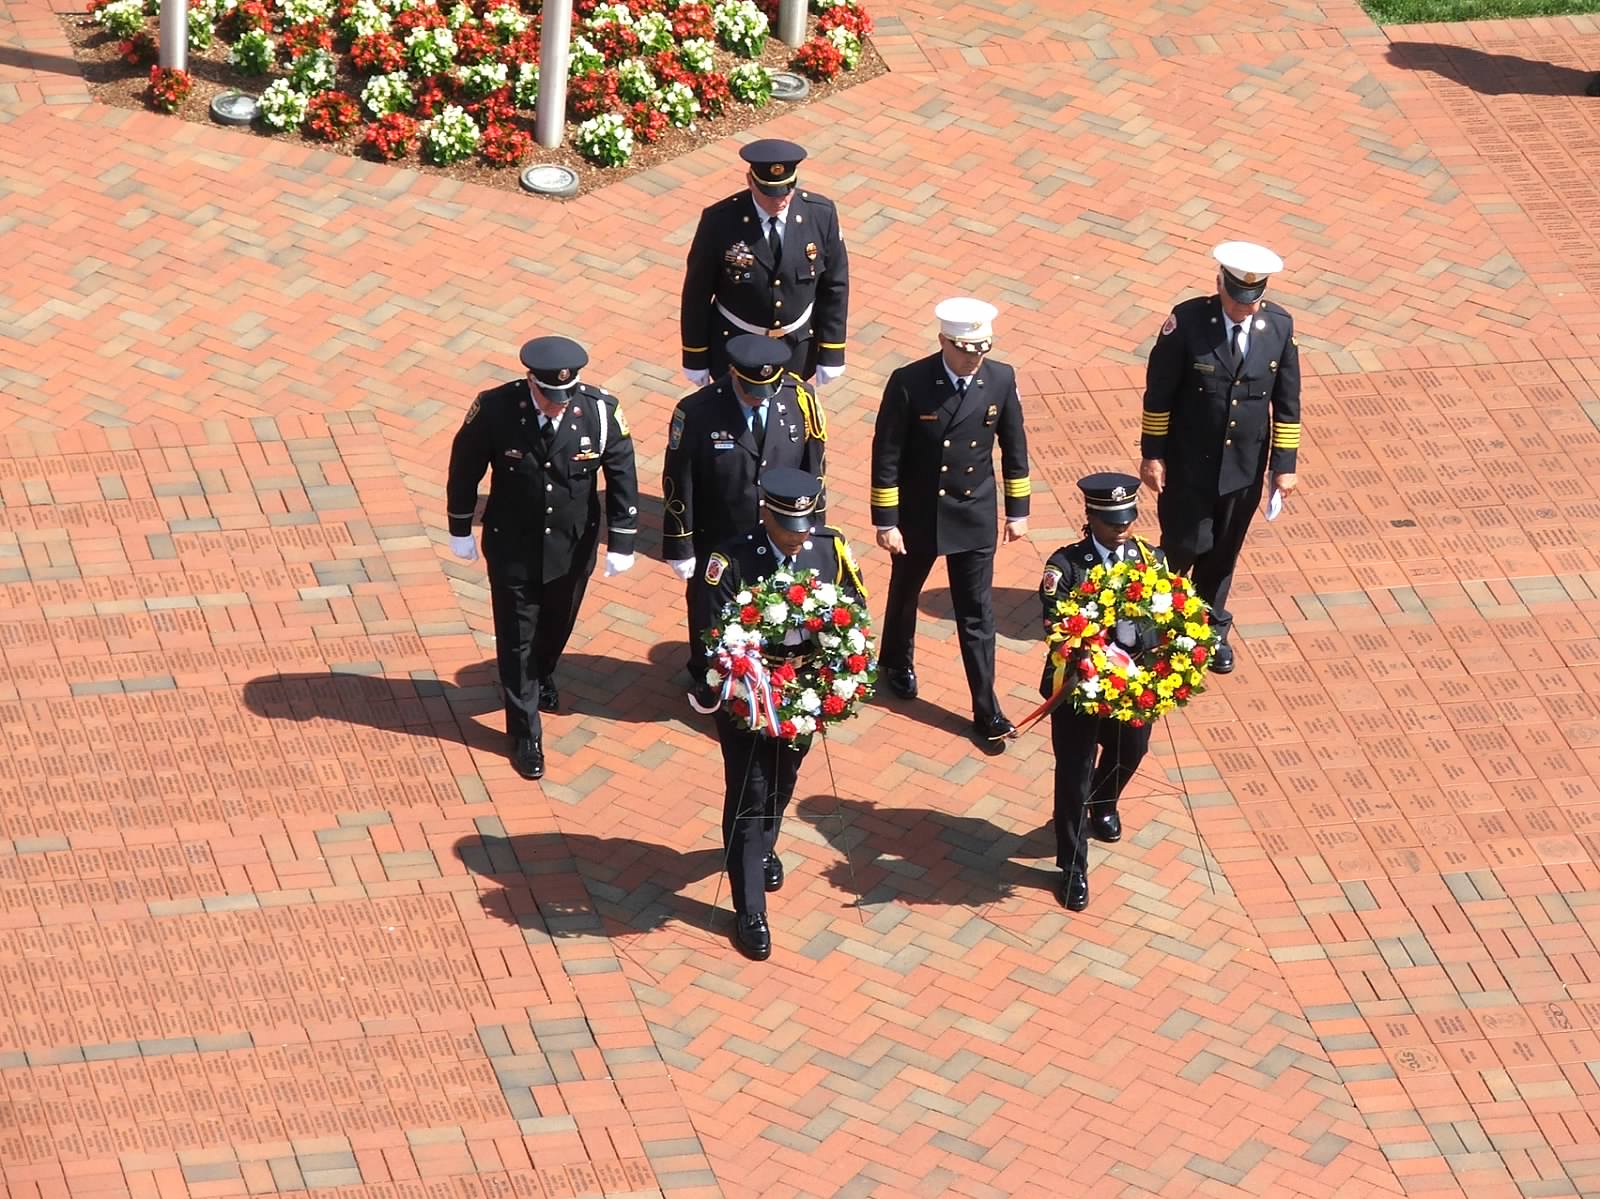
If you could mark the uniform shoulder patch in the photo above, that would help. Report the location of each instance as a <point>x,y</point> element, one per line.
<point>622,421</point>
<point>675,437</point>
<point>1171,324</point>
<point>715,565</point>
<point>1051,580</point>
<point>475,408</point>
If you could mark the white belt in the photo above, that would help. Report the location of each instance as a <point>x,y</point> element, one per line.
<point>740,323</point>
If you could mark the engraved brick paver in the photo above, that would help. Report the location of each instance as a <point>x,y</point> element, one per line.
<point>277,918</point>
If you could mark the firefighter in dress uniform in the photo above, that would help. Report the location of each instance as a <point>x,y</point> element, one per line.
<point>933,495</point>
<point>1095,757</point>
<point>549,439</point>
<point>1221,408</point>
<point>767,260</point>
<point>760,771</point>
<point>723,440</point>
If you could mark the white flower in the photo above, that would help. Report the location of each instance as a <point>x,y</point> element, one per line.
<point>1161,601</point>
<point>1184,642</point>
<point>775,613</point>
<point>845,688</point>
<point>1090,687</point>
<point>1090,611</point>
<point>828,640</point>
<point>809,701</point>
<point>713,678</point>
<point>809,604</point>
<point>856,640</point>
<point>734,638</point>
<point>743,598</point>
<point>805,724</point>
<point>828,594</point>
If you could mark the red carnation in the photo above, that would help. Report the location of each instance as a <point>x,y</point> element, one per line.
<point>814,623</point>
<point>1136,723</point>
<point>787,731</point>
<point>1105,709</point>
<point>796,594</point>
<point>1076,624</point>
<point>1087,668</point>
<point>826,674</point>
<point>1135,591</point>
<point>855,663</point>
<point>1162,669</point>
<point>832,706</point>
<point>749,614</point>
<point>1118,683</point>
<point>1147,699</point>
<point>784,673</point>
<point>1087,588</point>
<point>1198,654</point>
<point>841,618</point>
<point>1182,692</point>
<point>741,667</point>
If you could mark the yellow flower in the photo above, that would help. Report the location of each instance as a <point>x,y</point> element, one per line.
<point>1108,596</point>
<point>1163,585</point>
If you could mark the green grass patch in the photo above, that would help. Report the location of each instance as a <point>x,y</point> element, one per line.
<point>1416,12</point>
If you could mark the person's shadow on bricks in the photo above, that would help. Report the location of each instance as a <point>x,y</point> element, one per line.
<point>590,685</point>
<point>923,856</point>
<point>1016,611</point>
<point>1493,74</point>
<point>574,884</point>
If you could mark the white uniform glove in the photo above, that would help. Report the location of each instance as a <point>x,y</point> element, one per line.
<point>617,563</point>
<point>827,374</point>
<point>465,548</point>
<point>698,378</point>
<point>684,568</point>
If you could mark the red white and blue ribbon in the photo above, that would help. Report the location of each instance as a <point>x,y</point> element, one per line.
<point>754,681</point>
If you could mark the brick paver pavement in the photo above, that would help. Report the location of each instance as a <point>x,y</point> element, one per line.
<point>276,917</point>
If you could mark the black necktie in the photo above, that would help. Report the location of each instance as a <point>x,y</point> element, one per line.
<point>546,432</point>
<point>758,427</point>
<point>961,388</point>
<point>1238,354</point>
<point>774,242</point>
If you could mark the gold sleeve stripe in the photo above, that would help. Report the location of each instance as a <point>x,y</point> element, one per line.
<point>1017,488</point>
<point>1156,423</point>
<point>885,497</point>
<point>830,345</point>
<point>1285,437</point>
<point>696,349</point>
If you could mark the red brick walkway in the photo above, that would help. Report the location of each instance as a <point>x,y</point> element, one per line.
<point>276,917</point>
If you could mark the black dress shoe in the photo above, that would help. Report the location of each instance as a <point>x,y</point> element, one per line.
<point>751,935</point>
<point>902,682</point>
<point>1073,890</point>
<point>994,728</point>
<point>1222,659</point>
<point>549,696</point>
<point>772,872</point>
<point>527,758</point>
<point>1105,825</point>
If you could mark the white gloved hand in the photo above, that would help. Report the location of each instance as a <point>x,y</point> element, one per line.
<point>698,378</point>
<point>465,548</point>
<point>617,563</point>
<point>684,568</point>
<point>827,374</point>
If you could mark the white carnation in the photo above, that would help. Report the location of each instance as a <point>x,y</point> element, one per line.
<point>845,688</point>
<point>1090,687</point>
<point>810,701</point>
<point>805,724</point>
<point>743,598</point>
<point>1161,601</point>
<point>828,594</point>
<point>713,678</point>
<point>809,604</point>
<point>735,638</point>
<point>828,640</point>
<point>857,640</point>
<point>1184,642</point>
<point>775,613</point>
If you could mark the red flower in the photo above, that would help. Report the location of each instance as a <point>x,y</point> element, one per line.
<point>505,145</point>
<point>1076,623</point>
<point>855,663</point>
<point>1087,588</point>
<point>615,42</point>
<point>1198,654</point>
<point>1182,692</point>
<point>591,95</point>
<point>1162,669</point>
<point>522,48</point>
<point>495,109</point>
<point>738,707</point>
<point>332,116</point>
<point>692,20</point>
<point>1118,683</point>
<point>139,49</point>
<point>377,54</point>
<point>169,88</point>
<point>848,17</point>
<point>713,92</point>
<point>796,594</point>
<point>666,67</point>
<point>841,618</point>
<point>390,137</point>
<point>832,706</point>
<point>787,731</point>
<point>820,59</point>
<point>1105,710</point>
<point>785,673</point>
<point>814,623</point>
<point>1136,723</point>
<point>749,614</point>
<point>1087,668</point>
<point>1135,590</point>
<point>648,123</point>
<point>432,93</point>
<point>304,38</point>
<point>474,45</point>
<point>1147,699</point>
<point>241,19</point>
<point>741,667</point>
<point>426,16</point>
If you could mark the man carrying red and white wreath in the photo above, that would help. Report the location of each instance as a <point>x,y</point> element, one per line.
<point>790,653</point>
<point>1128,643</point>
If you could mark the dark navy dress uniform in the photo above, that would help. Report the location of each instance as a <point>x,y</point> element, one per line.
<point>1095,758</point>
<point>716,457</point>
<point>735,283</point>
<point>933,478</point>
<point>1219,424</point>
<point>760,772</point>
<point>541,526</point>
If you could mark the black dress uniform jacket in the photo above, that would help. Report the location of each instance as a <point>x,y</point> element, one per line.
<point>543,515</point>
<point>731,264</point>
<point>748,558</point>
<point>710,483</point>
<point>933,456</point>
<point>1064,572</point>
<point>1212,426</point>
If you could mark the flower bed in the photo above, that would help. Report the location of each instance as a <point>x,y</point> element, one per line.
<point>452,84</point>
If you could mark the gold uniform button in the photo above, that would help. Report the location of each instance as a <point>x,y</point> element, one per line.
<point>941,491</point>
<point>777,303</point>
<point>969,493</point>
<point>974,445</point>
<point>947,444</point>
<point>1233,424</point>
<point>969,470</point>
<point>944,468</point>
<point>1228,442</point>
<point>1236,403</point>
